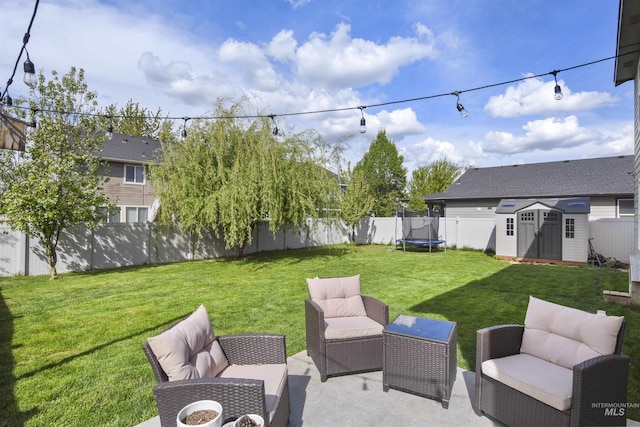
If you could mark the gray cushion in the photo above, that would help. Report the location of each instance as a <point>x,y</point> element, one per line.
<point>567,336</point>
<point>273,375</point>
<point>188,349</point>
<point>545,381</point>
<point>337,296</point>
<point>351,327</point>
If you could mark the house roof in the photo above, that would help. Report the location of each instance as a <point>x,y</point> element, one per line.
<point>628,41</point>
<point>570,178</point>
<point>131,149</point>
<point>569,205</point>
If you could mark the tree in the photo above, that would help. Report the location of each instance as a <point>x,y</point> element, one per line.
<point>384,174</point>
<point>55,183</point>
<point>133,120</point>
<point>431,179</point>
<point>230,174</point>
<point>357,201</point>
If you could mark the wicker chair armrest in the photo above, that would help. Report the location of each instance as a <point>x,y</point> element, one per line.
<point>314,316</point>
<point>237,396</point>
<point>254,349</point>
<point>376,310</point>
<point>598,382</point>
<point>497,341</point>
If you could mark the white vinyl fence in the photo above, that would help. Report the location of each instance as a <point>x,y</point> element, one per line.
<point>117,245</point>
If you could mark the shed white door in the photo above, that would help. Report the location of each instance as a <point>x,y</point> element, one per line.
<point>540,234</point>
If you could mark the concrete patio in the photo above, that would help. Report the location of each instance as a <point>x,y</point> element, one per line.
<point>358,400</point>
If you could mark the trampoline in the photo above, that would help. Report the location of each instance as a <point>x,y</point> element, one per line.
<point>419,228</point>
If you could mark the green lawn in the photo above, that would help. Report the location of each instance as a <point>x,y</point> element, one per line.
<point>70,349</point>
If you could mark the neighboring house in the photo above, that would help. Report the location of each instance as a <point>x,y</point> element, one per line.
<point>626,69</point>
<point>126,160</point>
<point>554,199</point>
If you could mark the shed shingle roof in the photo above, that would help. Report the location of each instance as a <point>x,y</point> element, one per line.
<point>569,178</point>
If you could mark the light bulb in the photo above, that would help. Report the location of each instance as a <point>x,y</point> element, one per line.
<point>7,103</point>
<point>558,92</point>
<point>462,111</point>
<point>363,125</point>
<point>30,78</point>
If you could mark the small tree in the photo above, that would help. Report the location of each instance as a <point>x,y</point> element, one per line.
<point>431,179</point>
<point>230,174</point>
<point>55,183</point>
<point>133,119</point>
<point>384,174</point>
<point>357,201</point>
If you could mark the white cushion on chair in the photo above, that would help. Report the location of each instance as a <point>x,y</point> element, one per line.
<point>567,336</point>
<point>351,327</point>
<point>188,349</point>
<point>337,296</point>
<point>547,382</point>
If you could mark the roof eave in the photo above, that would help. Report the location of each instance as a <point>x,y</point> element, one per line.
<point>626,63</point>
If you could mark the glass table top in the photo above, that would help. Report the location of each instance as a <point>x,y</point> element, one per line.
<point>422,327</point>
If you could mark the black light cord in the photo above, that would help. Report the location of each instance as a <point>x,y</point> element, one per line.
<point>301,113</point>
<point>25,40</point>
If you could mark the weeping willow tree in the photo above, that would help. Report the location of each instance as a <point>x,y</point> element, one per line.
<point>231,174</point>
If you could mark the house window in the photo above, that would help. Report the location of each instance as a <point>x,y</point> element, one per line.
<point>134,174</point>
<point>134,214</point>
<point>570,228</point>
<point>625,207</point>
<point>509,226</point>
<point>112,217</point>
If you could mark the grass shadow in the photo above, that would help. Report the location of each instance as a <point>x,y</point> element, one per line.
<point>10,413</point>
<point>97,348</point>
<point>497,300</point>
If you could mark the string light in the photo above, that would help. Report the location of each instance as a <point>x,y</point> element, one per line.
<point>363,122</point>
<point>557,90</point>
<point>29,69</point>
<point>459,106</point>
<point>184,127</point>
<point>30,78</point>
<point>7,103</point>
<point>362,107</point>
<point>275,125</point>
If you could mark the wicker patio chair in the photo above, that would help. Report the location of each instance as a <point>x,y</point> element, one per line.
<point>343,328</point>
<point>238,396</point>
<point>593,383</point>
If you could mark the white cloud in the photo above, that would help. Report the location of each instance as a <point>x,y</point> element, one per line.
<point>535,96</point>
<point>426,151</point>
<point>339,60</point>
<point>616,139</point>
<point>400,122</point>
<point>298,3</point>
<point>249,60</point>
<point>283,46</point>
<point>177,80</point>
<point>546,135</point>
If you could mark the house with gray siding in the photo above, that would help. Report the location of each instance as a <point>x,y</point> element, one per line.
<point>542,210</point>
<point>125,160</point>
<point>627,68</point>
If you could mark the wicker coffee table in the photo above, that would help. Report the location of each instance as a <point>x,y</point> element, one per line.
<point>420,357</point>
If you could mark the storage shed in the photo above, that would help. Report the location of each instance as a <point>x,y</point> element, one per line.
<point>553,229</point>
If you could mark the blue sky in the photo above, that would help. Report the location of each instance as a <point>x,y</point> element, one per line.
<point>295,56</point>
